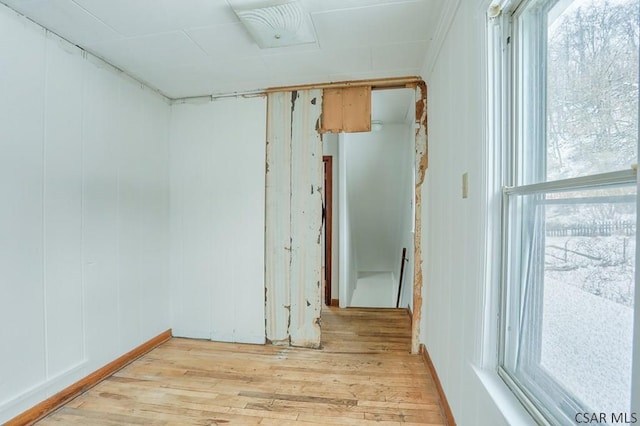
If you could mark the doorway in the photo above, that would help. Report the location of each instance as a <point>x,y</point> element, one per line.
<point>293,305</point>
<point>374,209</point>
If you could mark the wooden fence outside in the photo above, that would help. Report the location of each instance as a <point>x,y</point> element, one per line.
<point>604,229</point>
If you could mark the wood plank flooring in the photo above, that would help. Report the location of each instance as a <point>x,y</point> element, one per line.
<point>364,375</point>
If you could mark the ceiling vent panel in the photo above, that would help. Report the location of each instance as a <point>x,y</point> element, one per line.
<point>281,25</point>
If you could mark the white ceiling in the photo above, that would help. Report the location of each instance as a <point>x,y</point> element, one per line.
<point>188,48</point>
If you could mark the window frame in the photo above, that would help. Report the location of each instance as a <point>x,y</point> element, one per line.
<point>506,55</point>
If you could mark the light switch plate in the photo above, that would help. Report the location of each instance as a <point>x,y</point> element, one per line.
<point>465,185</point>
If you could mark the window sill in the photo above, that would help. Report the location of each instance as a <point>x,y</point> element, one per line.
<point>510,408</point>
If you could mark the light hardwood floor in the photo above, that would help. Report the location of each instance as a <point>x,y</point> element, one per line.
<point>364,375</point>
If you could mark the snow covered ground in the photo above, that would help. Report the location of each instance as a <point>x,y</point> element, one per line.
<point>587,324</point>
<point>586,345</point>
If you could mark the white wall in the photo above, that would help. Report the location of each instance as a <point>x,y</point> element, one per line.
<point>406,223</point>
<point>376,171</point>
<point>454,244</point>
<point>217,219</point>
<point>84,214</point>
<point>348,262</point>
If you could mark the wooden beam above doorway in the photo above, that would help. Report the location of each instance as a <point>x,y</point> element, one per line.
<point>375,84</point>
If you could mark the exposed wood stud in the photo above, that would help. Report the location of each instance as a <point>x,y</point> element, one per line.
<point>421,169</point>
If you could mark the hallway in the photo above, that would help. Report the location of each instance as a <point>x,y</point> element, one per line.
<point>374,290</point>
<point>363,375</point>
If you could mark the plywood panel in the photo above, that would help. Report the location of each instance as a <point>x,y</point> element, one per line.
<point>332,110</point>
<point>346,109</point>
<point>306,219</point>
<point>278,210</point>
<point>356,109</point>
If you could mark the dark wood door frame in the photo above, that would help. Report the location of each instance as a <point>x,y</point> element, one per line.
<point>328,218</point>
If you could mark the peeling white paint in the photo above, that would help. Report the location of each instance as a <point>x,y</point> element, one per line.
<point>293,218</point>
<point>306,219</point>
<point>421,169</point>
<point>278,213</point>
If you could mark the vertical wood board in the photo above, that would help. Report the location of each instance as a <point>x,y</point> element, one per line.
<point>306,219</point>
<point>278,212</point>
<point>332,110</point>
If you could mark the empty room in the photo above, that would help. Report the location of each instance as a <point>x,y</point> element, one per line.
<point>319,212</point>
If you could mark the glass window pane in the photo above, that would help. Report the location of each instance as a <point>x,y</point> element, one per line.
<point>587,308</point>
<point>574,339</point>
<point>592,87</point>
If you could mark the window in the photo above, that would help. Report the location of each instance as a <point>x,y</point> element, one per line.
<point>565,90</point>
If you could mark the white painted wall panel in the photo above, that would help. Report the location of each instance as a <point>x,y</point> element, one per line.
<point>129,216</point>
<point>140,214</point>
<point>191,221</point>
<point>63,208</point>
<point>453,243</point>
<point>100,214</point>
<point>406,223</point>
<point>21,208</point>
<point>217,219</point>
<point>348,263</point>
<point>84,214</point>
<point>152,119</point>
<point>239,220</point>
